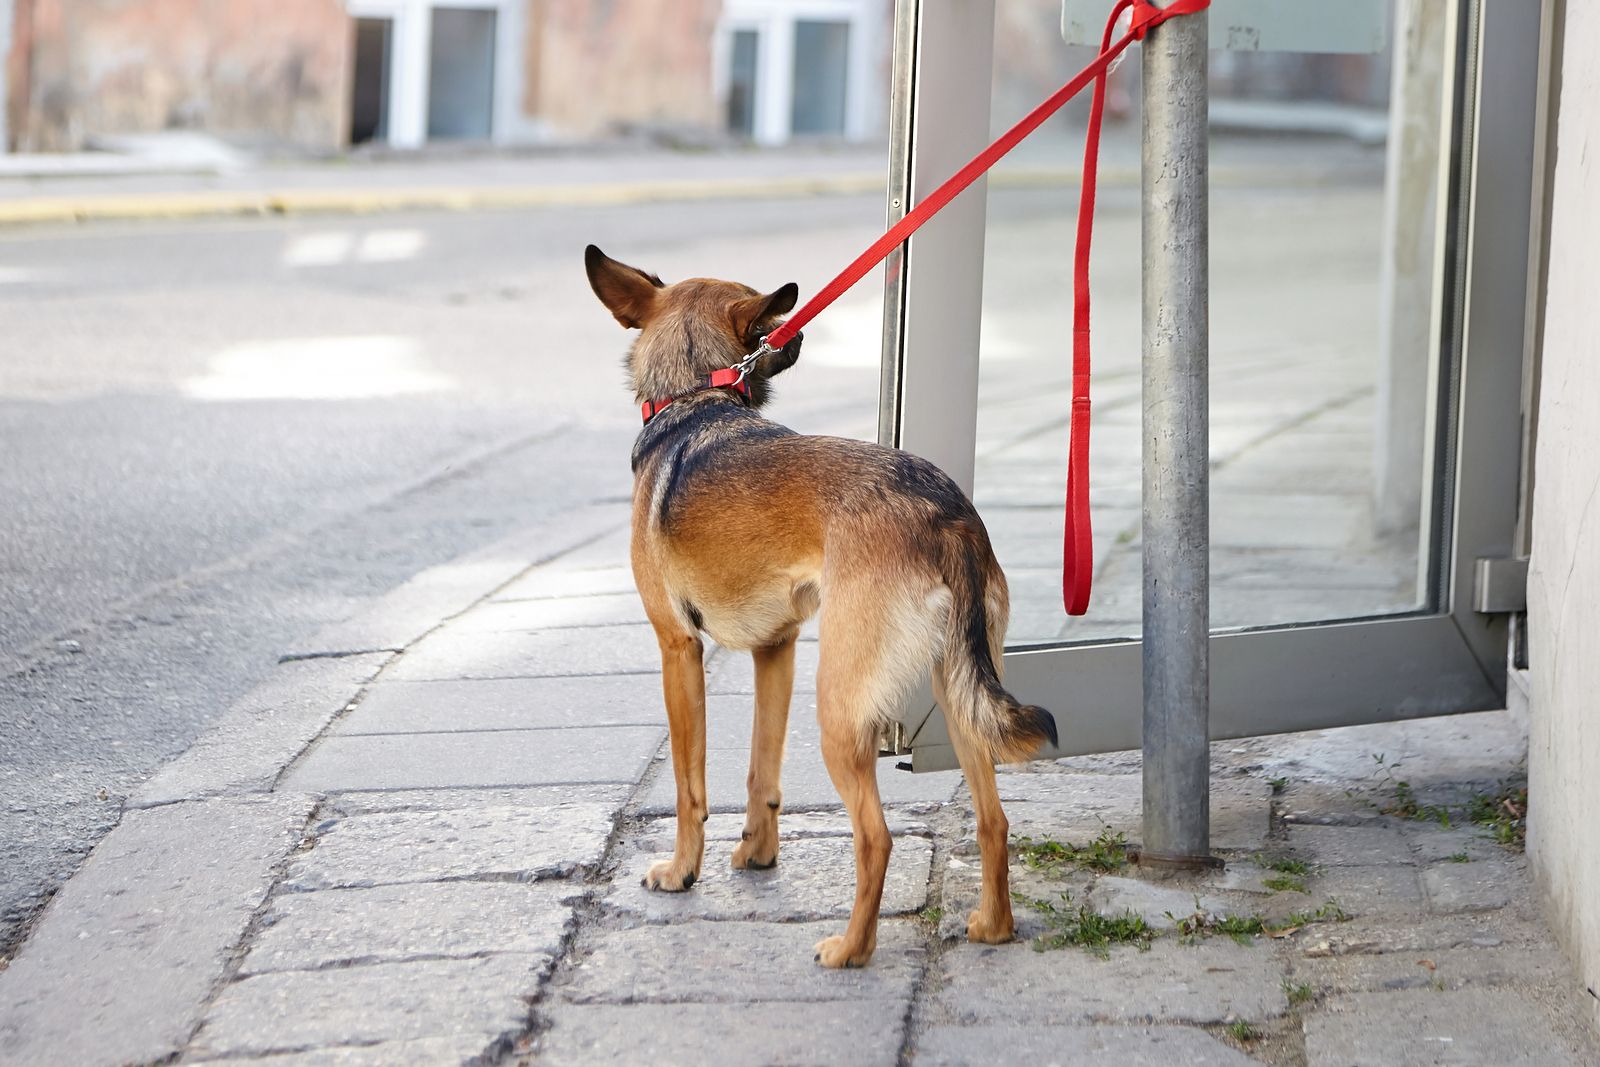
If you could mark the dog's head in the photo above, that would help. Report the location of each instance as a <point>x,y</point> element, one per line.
<point>691,328</point>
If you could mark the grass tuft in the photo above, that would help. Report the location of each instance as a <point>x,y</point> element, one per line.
<point>1503,813</point>
<point>1280,883</point>
<point>1108,852</point>
<point>1298,993</point>
<point>1243,1032</point>
<point>1201,924</point>
<point>1329,912</point>
<point>1087,928</point>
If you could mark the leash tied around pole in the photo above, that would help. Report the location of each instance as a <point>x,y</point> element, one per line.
<point>1078,548</point>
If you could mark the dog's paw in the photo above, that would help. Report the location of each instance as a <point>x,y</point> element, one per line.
<point>834,952</point>
<point>985,931</point>
<point>666,876</point>
<point>754,855</point>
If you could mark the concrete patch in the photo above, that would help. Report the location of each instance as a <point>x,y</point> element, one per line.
<point>1480,886</point>
<point>303,931</point>
<point>1078,807</point>
<point>1211,982</point>
<point>1081,1046</point>
<point>814,879</point>
<point>1154,902</point>
<point>467,1001</point>
<point>1432,843</point>
<point>505,704</point>
<point>739,963</point>
<point>727,1035</point>
<point>1387,891</point>
<point>1472,1027</point>
<point>1440,969</point>
<point>1350,846</point>
<point>501,844</point>
<point>120,967</point>
<point>494,758</point>
<point>1419,934</point>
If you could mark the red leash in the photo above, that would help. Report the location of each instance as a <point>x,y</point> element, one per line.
<point>1078,549</point>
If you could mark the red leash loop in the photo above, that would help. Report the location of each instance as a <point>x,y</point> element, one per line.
<point>1078,548</point>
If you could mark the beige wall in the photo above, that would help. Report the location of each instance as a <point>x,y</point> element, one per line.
<point>1564,579</point>
<point>260,71</point>
<point>596,67</point>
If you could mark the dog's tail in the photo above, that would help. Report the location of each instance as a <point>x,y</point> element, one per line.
<point>1006,729</point>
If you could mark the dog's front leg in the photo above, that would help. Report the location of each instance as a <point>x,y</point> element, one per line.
<point>683,680</point>
<point>774,686</point>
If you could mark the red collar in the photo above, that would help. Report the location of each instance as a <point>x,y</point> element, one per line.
<point>726,378</point>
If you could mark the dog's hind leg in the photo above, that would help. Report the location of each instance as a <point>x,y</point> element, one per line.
<point>991,922</point>
<point>683,682</point>
<point>849,747</point>
<point>854,677</point>
<point>774,686</point>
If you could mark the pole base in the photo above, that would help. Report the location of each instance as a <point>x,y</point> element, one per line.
<point>1167,862</point>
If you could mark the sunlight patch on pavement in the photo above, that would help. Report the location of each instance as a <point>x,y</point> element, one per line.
<point>318,368</point>
<point>329,248</point>
<point>318,249</point>
<point>388,246</point>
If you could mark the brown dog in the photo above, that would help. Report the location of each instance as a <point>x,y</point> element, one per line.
<point>742,529</point>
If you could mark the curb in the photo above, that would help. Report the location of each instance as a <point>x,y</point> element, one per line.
<point>370,200</point>
<point>367,201</point>
<point>266,203</point>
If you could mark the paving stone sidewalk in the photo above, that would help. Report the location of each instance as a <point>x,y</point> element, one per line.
<point>450,874</point>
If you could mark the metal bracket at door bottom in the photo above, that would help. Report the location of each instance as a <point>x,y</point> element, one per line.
<point>1500,586</point>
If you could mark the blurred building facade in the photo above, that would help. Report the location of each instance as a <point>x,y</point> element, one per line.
<point>321,75</point>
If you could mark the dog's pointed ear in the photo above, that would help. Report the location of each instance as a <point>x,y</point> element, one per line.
<point>757,309</point>
<point>628,292</point>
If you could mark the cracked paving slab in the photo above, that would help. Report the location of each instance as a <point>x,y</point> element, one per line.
<point>480,1001</point>
<point>1169,983</point>
<point>306,931</point>
<point>501,844</point>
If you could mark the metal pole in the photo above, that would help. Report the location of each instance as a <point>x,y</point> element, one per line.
<point>1177,806</point>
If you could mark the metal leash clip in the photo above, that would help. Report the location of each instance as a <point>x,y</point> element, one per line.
<point>744,365</point>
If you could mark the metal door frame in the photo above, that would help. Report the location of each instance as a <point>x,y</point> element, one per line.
<point>1443,660</point>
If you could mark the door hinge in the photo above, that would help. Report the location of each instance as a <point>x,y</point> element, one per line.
<point>1500,586</point>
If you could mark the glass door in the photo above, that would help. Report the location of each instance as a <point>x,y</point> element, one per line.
<point>1369,228</point>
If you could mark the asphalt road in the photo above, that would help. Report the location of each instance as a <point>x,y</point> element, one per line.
<point>218,437</point>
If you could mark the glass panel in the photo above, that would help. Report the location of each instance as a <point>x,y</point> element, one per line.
<point>461,74</point>
<point>369,83</point>
<point>1324,311</point>
<point>742,84</point>
<point>821,60</point>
